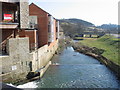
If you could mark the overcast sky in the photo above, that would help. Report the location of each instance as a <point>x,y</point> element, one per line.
<point>95,11</point>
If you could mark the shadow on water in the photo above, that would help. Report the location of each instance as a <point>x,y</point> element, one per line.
<point>74,70</point>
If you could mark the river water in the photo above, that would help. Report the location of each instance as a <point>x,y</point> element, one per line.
<point>74,70</point>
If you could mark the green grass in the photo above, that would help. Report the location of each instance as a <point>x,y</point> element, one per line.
<point>108,43</point>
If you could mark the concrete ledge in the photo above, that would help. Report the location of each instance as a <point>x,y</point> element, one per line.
<point>44,69</point>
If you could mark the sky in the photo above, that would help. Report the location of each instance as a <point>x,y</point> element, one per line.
<point>97,12</point>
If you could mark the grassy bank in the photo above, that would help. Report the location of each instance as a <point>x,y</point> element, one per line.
<point>108,43</point>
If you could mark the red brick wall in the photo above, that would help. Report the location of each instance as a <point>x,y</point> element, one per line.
<point>32,36</point>
<point>28,33</point>
<point>8,32</point>
<point>42,24</point>
<point>21,33</point>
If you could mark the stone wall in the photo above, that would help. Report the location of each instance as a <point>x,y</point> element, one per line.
<point>24,14</point>
<point>41,57</point>
<point>20,61</point>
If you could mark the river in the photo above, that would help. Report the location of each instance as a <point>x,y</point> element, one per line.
<point>74,70</point>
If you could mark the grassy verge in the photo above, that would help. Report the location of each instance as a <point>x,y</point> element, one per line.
<point>108,43</point>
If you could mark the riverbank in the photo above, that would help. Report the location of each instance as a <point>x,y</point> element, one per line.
<point>91,52</point>
<point>108,43</point>
<point>97,53</point>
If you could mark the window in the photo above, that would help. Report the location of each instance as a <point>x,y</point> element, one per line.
<point>33,22</point>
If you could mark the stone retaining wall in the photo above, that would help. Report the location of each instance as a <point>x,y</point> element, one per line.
<point>20,61</point>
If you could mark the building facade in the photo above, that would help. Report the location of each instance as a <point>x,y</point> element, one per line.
<point>29,34</point>
<point>48,26</point>
<point>14,16</point>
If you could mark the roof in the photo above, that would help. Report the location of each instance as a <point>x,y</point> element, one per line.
<point>41,9</point>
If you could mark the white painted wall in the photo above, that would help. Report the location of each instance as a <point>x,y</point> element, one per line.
<point>51,31</point>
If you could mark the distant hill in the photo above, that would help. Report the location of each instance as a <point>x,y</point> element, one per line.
<point>77,21</point>
<point>108,26</point>
<point>72,27</point>
<point>113,28</point>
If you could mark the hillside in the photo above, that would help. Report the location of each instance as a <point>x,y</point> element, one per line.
<point>109,28</point>
<point>77,21</point>
<point>72,27</point>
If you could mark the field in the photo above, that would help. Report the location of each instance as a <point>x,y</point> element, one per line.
<point>109,43</point>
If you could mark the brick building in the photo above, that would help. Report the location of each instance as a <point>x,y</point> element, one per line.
<point>28,34</point>
<point>48,26</point>
<point>20,20</point>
